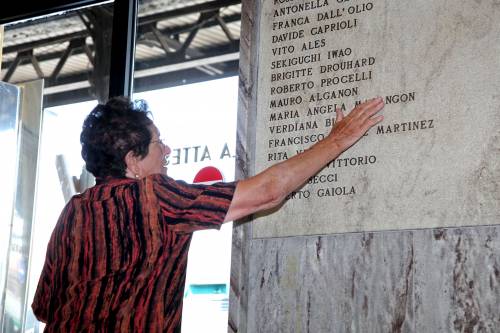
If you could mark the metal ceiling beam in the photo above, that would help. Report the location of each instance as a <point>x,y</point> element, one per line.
<point>144,84</point>
<point>79,81</point>
<point>74,45</point>
<point>187,64</point>
<point>25,56</point>
<point>202,20</point>
<point>231,18</point>
<point>223,25</point>
<point>33,9</point>
<point>143,38</point>
<point>45,42</point>
<point>198,8</point>
<point>84,33</point>
<point>56,55</point>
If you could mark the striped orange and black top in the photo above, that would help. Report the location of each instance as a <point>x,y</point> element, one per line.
<point>116,260</point>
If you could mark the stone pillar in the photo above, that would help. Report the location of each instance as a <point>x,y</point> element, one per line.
<point>400,233</point>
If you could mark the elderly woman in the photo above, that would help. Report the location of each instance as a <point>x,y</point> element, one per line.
<point>116,261</point>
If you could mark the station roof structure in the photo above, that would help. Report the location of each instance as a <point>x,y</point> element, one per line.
<point>177,42</point>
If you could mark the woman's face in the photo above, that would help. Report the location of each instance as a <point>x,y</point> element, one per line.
<point>154,162</point>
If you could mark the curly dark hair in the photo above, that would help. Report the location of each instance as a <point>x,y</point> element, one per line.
<point>110,131</point>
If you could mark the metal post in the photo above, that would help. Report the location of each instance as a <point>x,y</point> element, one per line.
<point>123,48</point>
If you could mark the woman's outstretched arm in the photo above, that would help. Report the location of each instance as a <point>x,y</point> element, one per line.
<point>270,187</point>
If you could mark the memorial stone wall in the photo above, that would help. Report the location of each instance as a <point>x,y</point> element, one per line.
<point>401,232</point>
<point>422,166</point>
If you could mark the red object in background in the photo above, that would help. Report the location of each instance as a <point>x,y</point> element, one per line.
<point>208,175</point>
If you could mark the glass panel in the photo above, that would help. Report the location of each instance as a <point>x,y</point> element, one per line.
<point>71,52</point>
<point>9,104</point>
<point>213,132</point>
<point>180,43</point>
<point>20,237</point>
<point>201,132</point>
<point>59,162</point>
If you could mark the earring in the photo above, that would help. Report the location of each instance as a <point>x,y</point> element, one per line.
<point>136,176</point>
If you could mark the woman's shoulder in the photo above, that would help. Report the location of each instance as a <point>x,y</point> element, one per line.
<point>106,188</point>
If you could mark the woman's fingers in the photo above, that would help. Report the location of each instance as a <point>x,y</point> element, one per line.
<point>360,119</point>
<point>339,115</point>
<point>374,109</point>
<point>372,122</point>
<point>369,108</point>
